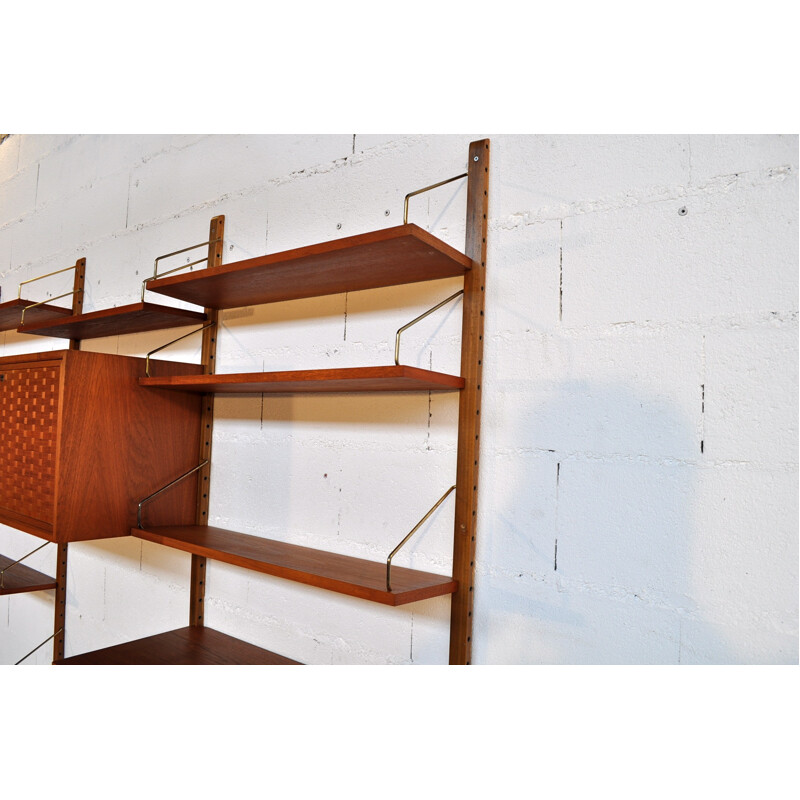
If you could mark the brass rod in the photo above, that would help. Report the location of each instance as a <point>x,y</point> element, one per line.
<point>14,563</point>
<point>38,646</point>
<point>415,321</point>
<point>169,272</point>
<point>186,249</point>
<point>40,277</point>
<point>427,189</point>
<point>164,489</point>
<point>44,302</point>
<point>164,346</point>
<point>409,535</point>
<point>176,253</point>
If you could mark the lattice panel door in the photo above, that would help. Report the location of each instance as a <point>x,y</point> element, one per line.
<point>28,437</point>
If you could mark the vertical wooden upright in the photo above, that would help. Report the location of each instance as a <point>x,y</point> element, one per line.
<point>60,613</point>
<point>469,411</point>
<point>209,357</point>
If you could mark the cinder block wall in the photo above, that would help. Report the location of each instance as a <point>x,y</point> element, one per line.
<point>638,493</point>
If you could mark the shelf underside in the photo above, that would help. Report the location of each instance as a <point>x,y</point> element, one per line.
<point>356,577</point>
<point>192,645</point>
<point>11,313</point>
<point>21,578</point>
<point>135,318</point>
<point>351,379</point>
<point>389,257</point>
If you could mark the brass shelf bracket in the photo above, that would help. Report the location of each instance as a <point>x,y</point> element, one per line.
<point>52,636</point>
<point>176,269</point>
<point>18,561</point>
<point>409,535</point>
<point>168,344</point>
<point>415,321</point>
<point>427,189</point>
<point>49,299</point>
<point>155,494</point>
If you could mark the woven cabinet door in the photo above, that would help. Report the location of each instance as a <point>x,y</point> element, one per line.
<point>29,398</point>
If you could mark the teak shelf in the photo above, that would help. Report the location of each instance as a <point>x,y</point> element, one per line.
<point>191,645</point>
<point>21,578</point>
<point>134,318</point>
<point>350,379</point>
<point>11,313</point>
<point>356,577</point>
<point>389,257</point>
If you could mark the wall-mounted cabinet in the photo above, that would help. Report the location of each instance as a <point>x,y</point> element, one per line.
<point>81,443</point>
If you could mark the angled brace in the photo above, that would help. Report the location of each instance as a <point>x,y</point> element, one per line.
<point>415,321</point>
<point>5,569</point>
<point>164,489</point>
<point>177,269</point>
<point>164,346</point>
<point>427,189</point>
<point>409,535</point>
<point>49,299</point>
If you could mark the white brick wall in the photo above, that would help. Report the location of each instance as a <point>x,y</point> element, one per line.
<point>638,495</point>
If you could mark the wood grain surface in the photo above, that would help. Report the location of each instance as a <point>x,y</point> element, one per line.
<point>191,645</point>
<point>22,578</point>
<point>389,257</point>
<point>356,577</point>
<point>134,318</point>
<point>351,379</point>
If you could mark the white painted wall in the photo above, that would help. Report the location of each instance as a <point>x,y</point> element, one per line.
<point>638,495</point>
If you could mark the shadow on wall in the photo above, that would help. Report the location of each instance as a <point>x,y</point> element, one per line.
<point>587,548</point>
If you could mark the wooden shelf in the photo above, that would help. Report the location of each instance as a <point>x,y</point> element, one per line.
<point>356,577</point>
<point>135,318</point>
<point>11,313</point>
<point>193,645</point>
<point>351,379</point>
<point>21,578</point>
<point>389,257</point>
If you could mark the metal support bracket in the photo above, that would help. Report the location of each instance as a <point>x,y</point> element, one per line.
<point>427,189</point>
<point>409,535</point>
<point>183,266</point>
<point>49,299</point>
<point>19,560</point>
<point>52,635</point>
<point>415,321</point>
<point>155,494</point>
<point>168,344</point>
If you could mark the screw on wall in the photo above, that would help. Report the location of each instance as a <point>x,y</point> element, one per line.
<point>683,211</point>
<point>338,226</point>
<point>387,212</point>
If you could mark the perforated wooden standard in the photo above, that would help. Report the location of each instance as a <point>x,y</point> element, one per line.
<point>29,409</point>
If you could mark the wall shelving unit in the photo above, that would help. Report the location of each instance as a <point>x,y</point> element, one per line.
<point>392,256</point>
